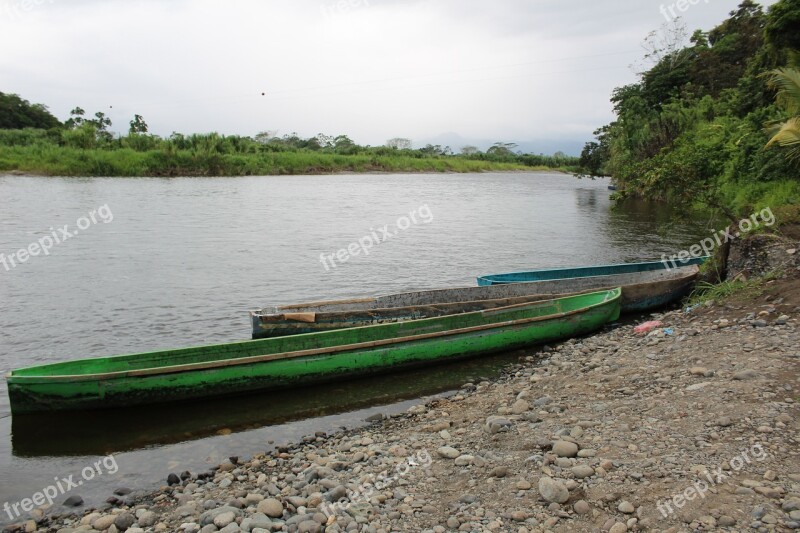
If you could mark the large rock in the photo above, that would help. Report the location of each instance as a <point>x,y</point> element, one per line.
<point>104,522</point>
<point>336,493</point>
<point>257,521</point>
<point>552,490</point>
<point>582,507</point>
<point>209,516</point>
<point>563,448</point>
<point>147,519</point>
<point>73,501</point>
<point>309,526</point>
<point>582,471</point>
<point>223,519</point>
<point>448,452</point>
<point>519,407</point>
<point>496,424</point>
<point>270,507</point>
<point>124,521</point>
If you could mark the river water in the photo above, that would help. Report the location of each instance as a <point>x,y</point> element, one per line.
<point>164,263</point>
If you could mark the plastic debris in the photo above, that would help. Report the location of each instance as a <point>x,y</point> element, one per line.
<point>692,308</point>
<point>647,326</point>
<point>669,331</point>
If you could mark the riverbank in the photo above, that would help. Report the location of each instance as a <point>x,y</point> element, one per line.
<point>691,427</point>
<point>529,170</point>
<point>126,162</point>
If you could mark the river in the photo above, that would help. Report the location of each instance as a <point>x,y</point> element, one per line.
<point>164,263</point>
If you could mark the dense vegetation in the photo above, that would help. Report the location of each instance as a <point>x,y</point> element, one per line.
<point>697,126</point>
<point>32,142</point>
<point>16,113</point>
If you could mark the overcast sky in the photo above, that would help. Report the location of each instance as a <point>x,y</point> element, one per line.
<point>510,70</point>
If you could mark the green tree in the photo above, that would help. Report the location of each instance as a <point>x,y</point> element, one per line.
<point>595,155</point>
<point>17,113</point>
<point>264,137</point>
<point>343,144</point>
<point>325,141</point>
<point>399,143</point>
<point>691,129</point>
<point>75,119</point>
<point>84,136</point>
<point>138,125</point>
<point>502,149</point>
<point>101,123</point>
<point>781,30</point>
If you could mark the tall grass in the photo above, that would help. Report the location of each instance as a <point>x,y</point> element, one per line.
<point>80,152</point>
<point>748,197</point>
<point>67,161</point>
<point>719,292</point>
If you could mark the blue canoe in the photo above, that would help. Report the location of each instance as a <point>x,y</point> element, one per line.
<point>645,286</point>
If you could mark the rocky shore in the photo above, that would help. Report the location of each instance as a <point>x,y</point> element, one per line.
<point>693,426</point>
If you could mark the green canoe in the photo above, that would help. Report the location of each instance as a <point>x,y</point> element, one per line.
<point>282,362</point>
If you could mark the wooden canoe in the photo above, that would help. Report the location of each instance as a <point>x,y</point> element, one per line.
<point>641,291</point>
<point>208,371</point>
<point>589,271</point>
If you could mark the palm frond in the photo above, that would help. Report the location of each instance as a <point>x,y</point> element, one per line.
<point>787,135</point>
<point>787,82</point>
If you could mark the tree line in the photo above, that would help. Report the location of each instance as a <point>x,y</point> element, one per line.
<point>712,121</point>
<point>26,124</point>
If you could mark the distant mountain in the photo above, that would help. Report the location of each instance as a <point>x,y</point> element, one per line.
<point>544,146</point>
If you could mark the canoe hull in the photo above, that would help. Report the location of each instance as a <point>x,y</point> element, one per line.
<point>639,298</point>
<point>589,271</point>
<point>35,395</point>
<point>267,325</point>
<point>641,291</point>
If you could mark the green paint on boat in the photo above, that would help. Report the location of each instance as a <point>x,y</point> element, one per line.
<point>208,371</point>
